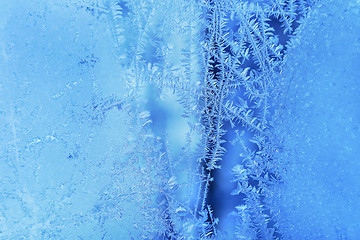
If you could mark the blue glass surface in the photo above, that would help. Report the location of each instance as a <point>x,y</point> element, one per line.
<point>186,119</point>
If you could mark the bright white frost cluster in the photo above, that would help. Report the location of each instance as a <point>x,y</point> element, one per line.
<point>186,119</point>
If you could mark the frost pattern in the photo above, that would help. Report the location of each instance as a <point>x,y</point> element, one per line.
<point>116,115</point>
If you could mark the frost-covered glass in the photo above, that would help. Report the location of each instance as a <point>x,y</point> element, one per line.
<point>179,119</point>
